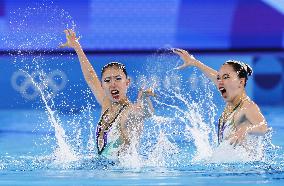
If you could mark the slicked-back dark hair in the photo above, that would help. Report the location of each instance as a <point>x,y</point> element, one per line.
<point>243,70</point>
<point>114,64</point>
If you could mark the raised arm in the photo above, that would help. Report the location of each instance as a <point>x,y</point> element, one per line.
<point>189,60</point>
<point>144,103</point>
<point>88,71</point>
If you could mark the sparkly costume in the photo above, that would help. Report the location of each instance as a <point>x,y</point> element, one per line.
<point>252,143</point>
<point>111,134</point>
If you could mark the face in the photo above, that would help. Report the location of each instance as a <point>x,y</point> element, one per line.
<point>229,84</point>
<point>115,84</point>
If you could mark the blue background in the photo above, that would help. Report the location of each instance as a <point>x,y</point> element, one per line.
<point>131,31</point>
<point>151,24</point>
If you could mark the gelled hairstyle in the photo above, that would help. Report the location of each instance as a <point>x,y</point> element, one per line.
<point>114,64</point>
<point>243,70</point>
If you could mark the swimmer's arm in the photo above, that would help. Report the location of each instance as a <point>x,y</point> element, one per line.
<point>88,71</point>
<point>255,124</point>
<point>144,103</point>
<point>90,75</point>
<point>189,60</point>
<point>150,105</point>
<point>124,137</point>
<point>258,123</point>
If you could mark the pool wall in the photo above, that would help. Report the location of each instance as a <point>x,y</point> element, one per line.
<point>265,86</point>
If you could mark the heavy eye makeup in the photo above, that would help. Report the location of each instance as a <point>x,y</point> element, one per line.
<point>118,78</point>
<point>225,76</point>
<point>107,80</point>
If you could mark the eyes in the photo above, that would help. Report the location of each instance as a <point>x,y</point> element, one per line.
<point>225,76</point>
<point>107,80</point>
<point>116,78</point>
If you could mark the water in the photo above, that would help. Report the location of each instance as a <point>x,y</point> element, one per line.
<point>27,159</point>
<point>48,146</point>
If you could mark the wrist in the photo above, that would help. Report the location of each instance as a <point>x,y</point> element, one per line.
<point>77,46</point>
<point>197,64</point>
<point>248,129</point>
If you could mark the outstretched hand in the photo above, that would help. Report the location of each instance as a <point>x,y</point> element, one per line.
<point>188,59</point>
<point>148,92</point>
<point>72,40</point>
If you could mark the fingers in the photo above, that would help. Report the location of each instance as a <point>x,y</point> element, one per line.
<point>181,67</point>
<point>71,38</point>
<point>182,52</point>
<point>72,33</point>
<point>66,32</point>
<point>150,92</point>
<point>188,59</point>
<point>235,140</point>
<point>177,50</point>
<point>63,45</point>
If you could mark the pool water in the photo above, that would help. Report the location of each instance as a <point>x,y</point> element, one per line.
<point>27,143</point>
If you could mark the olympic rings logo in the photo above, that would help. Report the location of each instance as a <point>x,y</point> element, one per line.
<point>30,86</point>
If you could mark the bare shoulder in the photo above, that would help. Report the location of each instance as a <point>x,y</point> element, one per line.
<point>250,106</point>
<point>105,104</point>
<point>253,113</point>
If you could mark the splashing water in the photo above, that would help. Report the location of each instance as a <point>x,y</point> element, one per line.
<point>64,152</point>
<point>161,152</point>
<point>188,112</point>
<point>35,32</point>
<point>37,28</point>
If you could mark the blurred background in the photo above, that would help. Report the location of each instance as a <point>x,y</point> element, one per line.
<point>132,31</point>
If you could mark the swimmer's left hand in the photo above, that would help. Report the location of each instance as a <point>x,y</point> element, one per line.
<point>148,92</point>
<point>238,137</point>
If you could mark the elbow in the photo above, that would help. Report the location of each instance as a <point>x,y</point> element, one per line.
<point>264,129</point>
<point>260,129</point>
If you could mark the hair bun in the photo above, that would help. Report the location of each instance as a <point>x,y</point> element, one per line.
<point>248,69</point>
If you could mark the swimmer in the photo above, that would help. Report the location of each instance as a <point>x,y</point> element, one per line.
<point>241,117</point>
<point>119,117</point>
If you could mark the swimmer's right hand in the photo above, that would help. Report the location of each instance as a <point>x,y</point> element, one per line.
<point>188,59</point>
<point>72,40</point>
<point>148,92</point>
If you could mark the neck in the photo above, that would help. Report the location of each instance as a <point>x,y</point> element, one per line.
<point>238,99</point>
<point>123,101</point>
